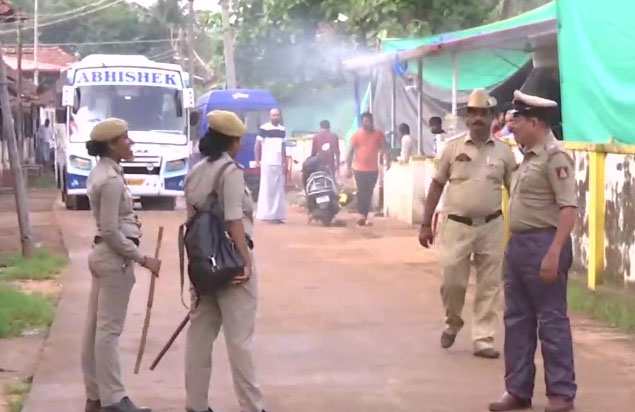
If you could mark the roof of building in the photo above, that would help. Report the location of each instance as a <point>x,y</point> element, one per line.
<point>51,59</point>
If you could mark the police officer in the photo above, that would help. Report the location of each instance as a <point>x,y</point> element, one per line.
<point>543,209</point>
<point>111,264</point>
<point>475,167</point>
<point>233,307</point>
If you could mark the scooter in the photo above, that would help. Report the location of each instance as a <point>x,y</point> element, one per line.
<point>322,198</point>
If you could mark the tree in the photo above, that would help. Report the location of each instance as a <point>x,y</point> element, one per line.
<point>285,44</point>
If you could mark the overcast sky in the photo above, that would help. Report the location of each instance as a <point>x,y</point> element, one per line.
<point>198,4</point>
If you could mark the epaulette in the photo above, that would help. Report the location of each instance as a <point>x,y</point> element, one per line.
<point>557,148</point>
<point>456,137</point>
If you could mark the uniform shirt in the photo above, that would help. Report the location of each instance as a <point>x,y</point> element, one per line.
<point>367,146</point>
<point>475,175</point>
<point>272,139</point>
<point>233,195</point>
<point>408,148</point>
<point>111,203</point>
<point>542,186</point>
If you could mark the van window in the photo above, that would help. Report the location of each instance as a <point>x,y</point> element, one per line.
<point>254,119</point>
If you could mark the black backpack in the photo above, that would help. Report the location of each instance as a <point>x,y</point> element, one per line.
<point>213,260</point>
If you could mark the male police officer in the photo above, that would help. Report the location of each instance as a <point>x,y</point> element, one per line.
<point>542,214</point>
<point>475,166</point>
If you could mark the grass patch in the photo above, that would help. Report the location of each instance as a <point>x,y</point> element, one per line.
<point>46,181</point>
<point>20,312</point>
<point>42,266</point>
<point>614,308</point>
<point>16,394</point>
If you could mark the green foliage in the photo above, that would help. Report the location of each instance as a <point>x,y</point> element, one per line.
<point>20,312</point>
<point>42,266</point>
<point>288,44</point>
<point>16,394</point>
<point>611,308</point>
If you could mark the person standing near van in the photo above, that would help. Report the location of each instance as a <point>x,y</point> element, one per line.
<point>233,307</point>
<point>111,263</point>
<point>271,157</point>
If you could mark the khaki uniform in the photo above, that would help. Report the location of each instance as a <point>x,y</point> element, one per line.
<point>111,264</point>
<point>544,184</point>
<point>475,174</point>
<point>234,307</point>
<point>535,310</point>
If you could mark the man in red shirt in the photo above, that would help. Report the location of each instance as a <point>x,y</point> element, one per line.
<point>327,145</point>
<point>363,161</point>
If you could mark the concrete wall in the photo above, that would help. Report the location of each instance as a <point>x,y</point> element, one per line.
<point>405,186</point>
<point>407,183</point>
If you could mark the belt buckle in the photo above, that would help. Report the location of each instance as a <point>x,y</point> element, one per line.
<point>478,221</point>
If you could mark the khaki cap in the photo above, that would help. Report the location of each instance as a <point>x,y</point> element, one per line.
<point>108,129</point>
<point>226,122</point>
<point>480,99</point>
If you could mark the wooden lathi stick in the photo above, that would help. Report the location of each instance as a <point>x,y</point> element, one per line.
<point>170,342</point>
<point>146,322</point>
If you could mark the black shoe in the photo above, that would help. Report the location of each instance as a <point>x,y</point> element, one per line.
<point>191,410</point>
<point>487,353</point>
<point>124,405</point>
<point>447,340</point>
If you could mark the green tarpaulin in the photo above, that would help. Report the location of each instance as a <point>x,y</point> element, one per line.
<point>476,68</point>
<point>597,70</point>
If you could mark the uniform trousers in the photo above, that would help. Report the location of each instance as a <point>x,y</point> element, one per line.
<point>537,310</point>
<point>233,308</point>
<point>458,242</point>
<point>112,281</point>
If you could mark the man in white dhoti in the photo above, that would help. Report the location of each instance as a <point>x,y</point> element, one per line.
<point>271,157</point>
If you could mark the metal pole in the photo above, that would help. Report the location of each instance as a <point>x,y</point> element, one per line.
<point>36,42</point>
<point>358,104</point>
<point>393,107</point>
<point>455,83</point>
<point>420,106</point>
<point>228,46</point>
<point>21,200</point>
<point>190,42</point>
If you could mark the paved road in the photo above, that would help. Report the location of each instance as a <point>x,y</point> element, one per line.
<point>349,320</point>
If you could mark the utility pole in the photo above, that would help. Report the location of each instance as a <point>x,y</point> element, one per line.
<point>19,86</point>
<point>190,42</point>
<point>228,46</point>
<point>21,200</point>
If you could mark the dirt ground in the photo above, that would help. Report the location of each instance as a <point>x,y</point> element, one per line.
<point>18,356</point>
<point>349,320</point>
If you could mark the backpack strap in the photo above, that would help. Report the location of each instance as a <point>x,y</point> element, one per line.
<point>214,193</point>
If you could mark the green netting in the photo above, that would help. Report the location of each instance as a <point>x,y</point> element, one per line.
<point>597,70</point>
<point>476,68</point>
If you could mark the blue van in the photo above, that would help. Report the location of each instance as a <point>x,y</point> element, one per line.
<point>253,107</point>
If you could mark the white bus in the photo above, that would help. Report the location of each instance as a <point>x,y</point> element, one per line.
<point>157,102</point>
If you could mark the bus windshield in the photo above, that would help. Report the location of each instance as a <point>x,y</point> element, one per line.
<point>145,108</point>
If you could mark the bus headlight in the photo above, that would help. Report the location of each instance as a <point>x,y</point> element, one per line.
<point>175,165</point>
<point>80,163</point>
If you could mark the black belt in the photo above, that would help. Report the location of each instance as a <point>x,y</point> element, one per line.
<point>99,239</point>
<point>475,221</point>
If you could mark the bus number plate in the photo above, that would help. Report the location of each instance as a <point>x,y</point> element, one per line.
<point>135,182</point>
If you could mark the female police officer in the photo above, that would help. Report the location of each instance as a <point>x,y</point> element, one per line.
<point>111,264</point>
<point>235,306</point>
